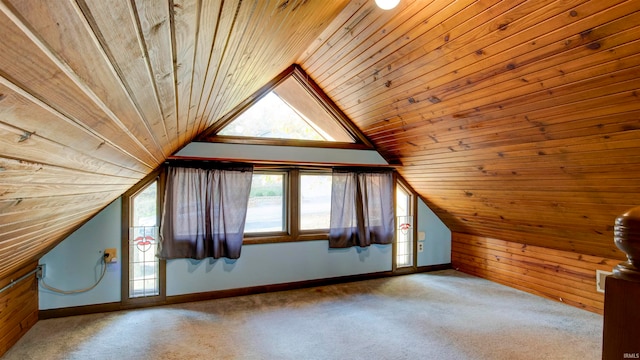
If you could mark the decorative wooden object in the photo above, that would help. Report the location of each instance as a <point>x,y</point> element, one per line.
<point>627,239</point>
<point>622,293</point>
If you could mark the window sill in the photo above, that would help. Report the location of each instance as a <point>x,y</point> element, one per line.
<point>253,240</point>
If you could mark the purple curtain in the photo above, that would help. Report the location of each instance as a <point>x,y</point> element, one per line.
<point>361,208</point>
<point>204,212</point>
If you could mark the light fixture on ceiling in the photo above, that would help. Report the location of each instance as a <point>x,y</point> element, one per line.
<point>387,4</point>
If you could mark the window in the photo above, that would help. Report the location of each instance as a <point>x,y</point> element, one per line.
<point>143,242</point>
<point>289,110</point>
<point>291,204</point>
<point>362,210</point>
<point>288,204</point>
<point>267,208</point>
<point>315,201</point>
<point>205,210</point>
<point>271,117</point>
<point>404,227</point>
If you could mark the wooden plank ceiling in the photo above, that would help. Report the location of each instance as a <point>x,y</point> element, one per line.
<point>517,120</point>
<point>96,94</point>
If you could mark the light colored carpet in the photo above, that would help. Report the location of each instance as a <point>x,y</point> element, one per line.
<point>437,315</point>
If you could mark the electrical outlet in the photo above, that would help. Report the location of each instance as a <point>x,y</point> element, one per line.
<point>420,246</point>
<point>41,271</point>
<point>110,255</point>
<point>601,276</point>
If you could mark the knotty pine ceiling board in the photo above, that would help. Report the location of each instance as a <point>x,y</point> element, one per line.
<point>513,119</point>
<point>94,95</point>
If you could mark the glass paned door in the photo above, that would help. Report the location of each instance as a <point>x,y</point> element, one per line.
<point>144,266</point>
<point>404,230</point>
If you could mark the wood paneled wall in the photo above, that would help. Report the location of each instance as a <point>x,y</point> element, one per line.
<point>95,94</point>
<point>558,275</point>
<point>516,120</point>
<point>18,308</point>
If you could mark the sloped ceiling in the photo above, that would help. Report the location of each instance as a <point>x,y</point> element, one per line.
<point>513,119</point>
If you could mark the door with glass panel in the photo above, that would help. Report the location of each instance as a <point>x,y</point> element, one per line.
<point>144,267</point>
<point>404,227</point>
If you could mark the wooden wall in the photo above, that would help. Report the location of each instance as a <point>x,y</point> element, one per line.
<point>554,274</point>
<point>95,94</point>
<point>18,308</point>
<point>517,120</point>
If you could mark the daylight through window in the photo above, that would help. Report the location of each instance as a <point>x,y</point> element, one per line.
<point>404,228</point>
<point>266,210</point>
<point>315,201</point>
<point>143,242</point>
<point>289,111</point>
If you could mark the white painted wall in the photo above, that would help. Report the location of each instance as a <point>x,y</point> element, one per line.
<point>437,243</point>
<point>266,264</point>
<point>291,154</point>
<point>76,263</point>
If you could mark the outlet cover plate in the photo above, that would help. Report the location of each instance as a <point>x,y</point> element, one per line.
<point>110,255</point>
<point>600,279</point>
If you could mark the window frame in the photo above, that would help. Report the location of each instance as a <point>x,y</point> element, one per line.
<point>291,216</point>
<point>127,221</point>
<point>285,208</point>
<point>295,71</point>
<point>309,172</point>
<point>413,209</point>
<point>292,233</point>
<point>292,209</point>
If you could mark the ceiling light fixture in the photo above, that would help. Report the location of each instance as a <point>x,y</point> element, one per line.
<point>387,4</point>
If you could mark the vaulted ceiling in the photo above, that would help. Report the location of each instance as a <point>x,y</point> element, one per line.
<point>518,120</point>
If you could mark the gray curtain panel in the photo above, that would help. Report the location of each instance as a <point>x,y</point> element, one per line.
<point>361,208</point>
<point>204,212</point>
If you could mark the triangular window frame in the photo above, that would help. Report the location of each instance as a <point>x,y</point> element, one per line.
<point>359,141</point>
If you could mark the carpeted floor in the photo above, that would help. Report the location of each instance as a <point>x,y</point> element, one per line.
<point>437,315</point>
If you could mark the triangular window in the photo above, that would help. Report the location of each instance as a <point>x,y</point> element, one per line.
<point>273,117</point>
<point>290,108</point>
